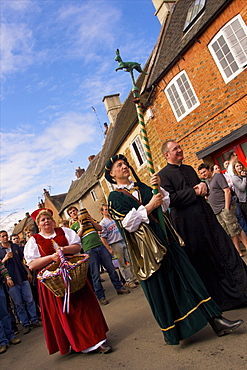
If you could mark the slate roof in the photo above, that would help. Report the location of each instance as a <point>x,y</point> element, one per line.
<point>79,186</point>
<point>175,41</point>
<point>27,221</point>
<point>58,200</point>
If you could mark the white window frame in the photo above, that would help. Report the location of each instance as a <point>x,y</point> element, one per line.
<point>185,101</point>
<point>111,186</point>
<point>93,195</point>
<point>195,10</point>
<point>235,45</point>
<point>138,151</point>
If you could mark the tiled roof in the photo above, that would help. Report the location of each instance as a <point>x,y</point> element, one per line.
<point>58,200</point>
<point>175,41</point>
<point>27,221</point>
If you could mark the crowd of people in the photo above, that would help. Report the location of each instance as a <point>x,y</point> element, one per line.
<point>182,245</point>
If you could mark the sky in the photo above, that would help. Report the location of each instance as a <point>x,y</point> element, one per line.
<point>57,62</point>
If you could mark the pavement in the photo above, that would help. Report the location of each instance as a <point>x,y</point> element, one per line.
<point>137,342</point>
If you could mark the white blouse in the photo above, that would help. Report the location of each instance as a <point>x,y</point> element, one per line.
<point>31,249</point>
<point>135,217</point>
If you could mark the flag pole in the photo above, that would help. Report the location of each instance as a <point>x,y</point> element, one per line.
<point>129,67</point>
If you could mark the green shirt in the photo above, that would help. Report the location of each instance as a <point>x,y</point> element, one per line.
<point>90,238</point>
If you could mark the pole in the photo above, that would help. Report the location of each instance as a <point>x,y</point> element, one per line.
<point>128,67</point>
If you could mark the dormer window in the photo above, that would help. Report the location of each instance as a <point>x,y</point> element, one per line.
<point>194,12</point>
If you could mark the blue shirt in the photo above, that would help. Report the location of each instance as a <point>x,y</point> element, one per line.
<point>14,265</point>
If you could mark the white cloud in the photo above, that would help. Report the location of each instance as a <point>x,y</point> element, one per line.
<point>17,47</point>
<point>35,153</point>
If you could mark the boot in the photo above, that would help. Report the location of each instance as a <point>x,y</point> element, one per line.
<point>221,326</point>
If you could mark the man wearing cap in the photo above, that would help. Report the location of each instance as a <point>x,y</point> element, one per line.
<point>178,299</point>
<point>12,257</point>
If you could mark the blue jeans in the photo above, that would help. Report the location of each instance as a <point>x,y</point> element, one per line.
<point>19,293</point>
<point>101,255</point>
<point>241,218</point>
<point>6,332</point>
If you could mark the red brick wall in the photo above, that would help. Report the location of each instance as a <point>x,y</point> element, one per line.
<point>222,106</point>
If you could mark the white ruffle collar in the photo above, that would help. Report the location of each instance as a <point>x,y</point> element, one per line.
<point>124,186</point>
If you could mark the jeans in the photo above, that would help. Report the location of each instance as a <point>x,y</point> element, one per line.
<point>19,293</point>
<point>6,332</point>
<point>121,252</point>
<point>101,255</point>
<point>241,218</point>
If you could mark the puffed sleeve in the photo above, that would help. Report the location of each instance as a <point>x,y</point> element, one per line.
<point>71,236</point>
<point>31,250</point>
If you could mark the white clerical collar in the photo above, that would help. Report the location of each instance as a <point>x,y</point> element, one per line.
<point>124,186</point>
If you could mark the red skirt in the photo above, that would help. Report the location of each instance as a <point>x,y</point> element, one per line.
<point>82,328</point>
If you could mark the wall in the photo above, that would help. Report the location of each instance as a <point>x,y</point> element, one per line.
<point>222,106</point>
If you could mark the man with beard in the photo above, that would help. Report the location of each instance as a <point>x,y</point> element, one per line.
<point>209,248</point>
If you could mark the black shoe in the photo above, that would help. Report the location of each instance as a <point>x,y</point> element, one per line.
<point>221,326</point>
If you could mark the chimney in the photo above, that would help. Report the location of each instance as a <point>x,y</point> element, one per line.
<point>79,171</point>
<point>112,106</point>
<point>163,8</point>
<point>91,157</point>
<point>46,193</point>
<point>41,204</point>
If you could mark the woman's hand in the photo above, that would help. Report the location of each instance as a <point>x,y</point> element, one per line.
<point>55,257</point>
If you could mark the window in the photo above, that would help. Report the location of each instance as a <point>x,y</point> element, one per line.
<point>229,48</point>
<point>93,195</point>
<point>138,151</point>
<point>111,186</point>
<point>195,10</point>
<point>181,96</point>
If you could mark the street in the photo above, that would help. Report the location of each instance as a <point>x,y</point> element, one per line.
<point>137,342</point>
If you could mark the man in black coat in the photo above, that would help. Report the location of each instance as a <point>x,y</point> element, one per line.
<point>209,248</point>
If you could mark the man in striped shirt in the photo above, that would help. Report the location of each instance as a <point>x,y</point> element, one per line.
<point>92,245</point>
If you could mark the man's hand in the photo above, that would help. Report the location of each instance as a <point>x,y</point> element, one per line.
<point>155,179</point>
<point>155,202</point>
<point>201,189</point>
<point>9,282</point>
<point>30,277</point>
<point>7,256</point>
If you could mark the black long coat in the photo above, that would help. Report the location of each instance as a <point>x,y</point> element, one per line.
<point>209,248</point>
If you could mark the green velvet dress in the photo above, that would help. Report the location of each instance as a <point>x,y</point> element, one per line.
<point>178,299</point>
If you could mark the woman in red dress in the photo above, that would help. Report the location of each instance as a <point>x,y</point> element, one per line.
<point>84,327</point>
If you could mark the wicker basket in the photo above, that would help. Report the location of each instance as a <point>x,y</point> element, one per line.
<point>78,275</point>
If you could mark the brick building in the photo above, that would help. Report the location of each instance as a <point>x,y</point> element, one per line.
<point>197,83</point>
